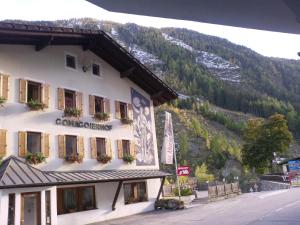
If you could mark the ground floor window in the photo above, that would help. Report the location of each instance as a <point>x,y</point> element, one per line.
<point>135,192</point>
<point>11,209</point>
<point>75,199</point>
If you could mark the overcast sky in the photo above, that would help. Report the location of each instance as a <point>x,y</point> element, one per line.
<point>264,42</point>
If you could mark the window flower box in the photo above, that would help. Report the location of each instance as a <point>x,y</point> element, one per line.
<point>101,116</point>
<point>2,101</point>
<point>127,121</point>
<point>128,158</point>
<point>74,158</point>
<point>35,158</point>
<point>104,159</point>
<point>72,112</point>
<point>34,105</point>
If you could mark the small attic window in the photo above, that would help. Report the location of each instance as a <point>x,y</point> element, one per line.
<point>96,69</point>
<point>70,61</point>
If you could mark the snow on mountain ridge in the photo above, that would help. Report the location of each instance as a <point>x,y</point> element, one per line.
<point>220,67</point>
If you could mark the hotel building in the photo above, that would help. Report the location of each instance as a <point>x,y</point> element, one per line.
<point>77,128</point>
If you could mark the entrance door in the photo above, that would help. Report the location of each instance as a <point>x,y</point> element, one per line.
<point>30,209</point>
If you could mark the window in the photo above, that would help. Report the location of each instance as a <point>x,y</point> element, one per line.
<point>48,207</point>
<point>101,148</point>
<point>126,147</point>
<point>70,61</point>
<point>75,199</point>
<point>96,69</point>
<point>99,105</point>
<point>11,209</point>
<point>70,99</point>
<point>34,91</point>
<point>71,145</point>
<point>135,192</point>
<point>34,142</point>
<point>123,110</point>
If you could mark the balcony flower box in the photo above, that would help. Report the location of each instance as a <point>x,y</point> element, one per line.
<point>104,159</point>
<point>128,158</point>
<point>34,105</point>
<point>72,112</point>
<point>127,121</point>
<point>101,116</point>
<point>74,158</point>
<point>35,158</point>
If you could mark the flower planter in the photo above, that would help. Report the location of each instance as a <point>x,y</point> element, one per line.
<point>34,105</point>
<point>127,121</point>
<point>35,158</point>
<point>74,158</point>
<point>104,159</point>
<point>128,158</point>
<point>72,112</point>
<point>101,116</point>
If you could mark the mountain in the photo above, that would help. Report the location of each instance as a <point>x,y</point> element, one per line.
<point>220,86</point>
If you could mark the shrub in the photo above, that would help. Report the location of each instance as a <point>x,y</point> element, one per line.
<point>35,105</point>
<point>127,121</point>
<point>72,112</point>
<point>183,192</point>
<point>2,101</point>
<point>172,204</point>
<point>101,116</point>
<point>35,158</point>
<point>74,158</point>
<point>104,158</point>
<point>128,158</point>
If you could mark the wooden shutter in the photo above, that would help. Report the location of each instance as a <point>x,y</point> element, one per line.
<point>93,147</point>
<point>46,95</point>
<point>92,104</point>
<point>22,91</point>
<point>108,147</point>
<point>5,86</point>
<point>132,148</point>
<point>117,109</point>
<point>120,149</point>
<point>106,103</point>
<point>61,146</point>
<point>130,111</point>
<point>22,144</point>
<point>79,101</point>
<point>3,142</point>
<point>61,98</point>
<point>80,146</point>
<point>46,145</point>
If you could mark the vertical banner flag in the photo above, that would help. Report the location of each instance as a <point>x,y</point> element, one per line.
<point>167,151</point>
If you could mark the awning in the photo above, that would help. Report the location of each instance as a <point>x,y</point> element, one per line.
<point>14,173</point>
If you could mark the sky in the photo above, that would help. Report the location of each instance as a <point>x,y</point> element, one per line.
<point>264,42</point>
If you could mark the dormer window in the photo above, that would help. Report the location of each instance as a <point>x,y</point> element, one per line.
<point>96,69</point>
<point>71,61</point>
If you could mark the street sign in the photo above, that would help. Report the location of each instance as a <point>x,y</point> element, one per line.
<point>183,171</point>
<point>294,165</point>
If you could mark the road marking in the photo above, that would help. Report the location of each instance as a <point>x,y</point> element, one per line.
<point>272,194</point>
<point>278,210</point>
<point>292,204</point>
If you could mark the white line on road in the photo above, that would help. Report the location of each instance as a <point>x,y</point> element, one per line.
<point>272,194</point>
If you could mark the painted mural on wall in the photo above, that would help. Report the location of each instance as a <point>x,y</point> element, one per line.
<point>142,129</point>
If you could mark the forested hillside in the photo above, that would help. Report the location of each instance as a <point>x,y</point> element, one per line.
<point>221,85</point>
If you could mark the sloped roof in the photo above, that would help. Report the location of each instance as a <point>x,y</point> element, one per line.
<point>98,42</point>
<point>91,176</point>
<point>14,173</point>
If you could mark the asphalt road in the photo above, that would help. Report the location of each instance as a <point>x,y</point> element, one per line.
<point>264,208</point>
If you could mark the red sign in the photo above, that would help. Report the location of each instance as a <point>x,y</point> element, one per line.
<point>183,171</point>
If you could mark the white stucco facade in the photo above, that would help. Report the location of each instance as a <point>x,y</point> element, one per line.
<point>48,67</point>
